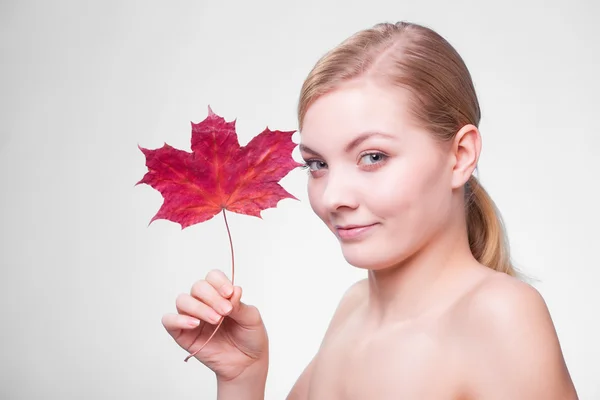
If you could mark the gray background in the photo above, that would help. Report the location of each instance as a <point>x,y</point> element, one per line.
<point>84,281</point>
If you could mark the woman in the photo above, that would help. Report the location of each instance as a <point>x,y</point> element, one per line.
<point>388,122</point>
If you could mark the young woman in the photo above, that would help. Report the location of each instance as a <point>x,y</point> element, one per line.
<point>388,122</point>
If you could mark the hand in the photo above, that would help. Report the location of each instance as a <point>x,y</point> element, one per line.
<point>241,341</point>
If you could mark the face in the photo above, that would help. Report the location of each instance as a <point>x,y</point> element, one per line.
<point>379,182</point>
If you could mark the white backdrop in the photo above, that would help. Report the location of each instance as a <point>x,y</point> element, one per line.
<point>84,281</point>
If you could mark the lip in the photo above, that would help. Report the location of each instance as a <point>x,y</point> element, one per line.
<point>353,232</point>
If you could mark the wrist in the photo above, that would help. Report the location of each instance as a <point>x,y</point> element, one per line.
<point>250,385</point>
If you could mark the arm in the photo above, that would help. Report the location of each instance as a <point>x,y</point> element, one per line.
<point>519,355</point>
<point>347,304</point>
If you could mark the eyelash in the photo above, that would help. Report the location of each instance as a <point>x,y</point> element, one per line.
<point>368,167</point>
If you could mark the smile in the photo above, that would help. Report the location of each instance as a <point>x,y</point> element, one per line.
<point>353,232</point>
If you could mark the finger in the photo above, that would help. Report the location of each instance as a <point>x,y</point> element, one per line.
<point>175,323</point>
<point>206,293</point>
<point>220,282</point>
<point>192,307</point>
<point>244,314</point>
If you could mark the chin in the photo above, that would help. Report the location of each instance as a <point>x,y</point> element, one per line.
<point>361,256</point>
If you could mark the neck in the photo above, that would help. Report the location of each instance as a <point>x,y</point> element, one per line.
<point>426,281</point>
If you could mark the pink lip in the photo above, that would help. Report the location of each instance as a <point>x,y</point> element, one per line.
<point>353,232</point>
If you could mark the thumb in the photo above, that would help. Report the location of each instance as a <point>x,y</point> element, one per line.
<point>243,314</point>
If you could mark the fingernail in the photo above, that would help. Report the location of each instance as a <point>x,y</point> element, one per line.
<point>193,322</point>
<point>215,317</point>
<point>227,290</point>
<point>226,308</point>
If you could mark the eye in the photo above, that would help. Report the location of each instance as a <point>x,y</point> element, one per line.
<point>315,165</point>
<point>372,158</point>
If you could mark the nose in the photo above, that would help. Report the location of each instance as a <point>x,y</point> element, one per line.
<point>340,191</point>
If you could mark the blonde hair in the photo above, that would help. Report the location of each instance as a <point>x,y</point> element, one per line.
<point>443,100</point>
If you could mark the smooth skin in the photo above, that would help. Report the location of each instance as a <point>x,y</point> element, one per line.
<point>429,321</point>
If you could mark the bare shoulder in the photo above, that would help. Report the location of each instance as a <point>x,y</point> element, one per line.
<point>353,296</point>
<point>513,345</point>
<point>500,300</point>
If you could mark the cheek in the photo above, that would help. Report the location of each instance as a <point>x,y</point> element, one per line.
<point>409,198</point>
<point>429,202</point>
<point>314,198</point>
<point>394,195</point>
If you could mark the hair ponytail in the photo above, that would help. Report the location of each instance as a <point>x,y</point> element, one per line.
<point>487,236</point>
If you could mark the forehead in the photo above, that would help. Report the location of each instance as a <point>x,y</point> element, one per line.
<point>357,106</point>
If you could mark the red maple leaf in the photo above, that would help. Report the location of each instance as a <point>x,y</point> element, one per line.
<point>219,174</point>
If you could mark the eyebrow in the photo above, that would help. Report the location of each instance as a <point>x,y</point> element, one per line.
<point>353,144</point>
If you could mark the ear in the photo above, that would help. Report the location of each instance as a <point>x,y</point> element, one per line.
<point>465,150</point>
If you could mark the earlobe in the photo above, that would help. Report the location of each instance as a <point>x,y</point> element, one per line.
<point>466,148</point>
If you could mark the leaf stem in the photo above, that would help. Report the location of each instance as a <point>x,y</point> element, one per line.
<point>232,277</point>
<point>230,246</point>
